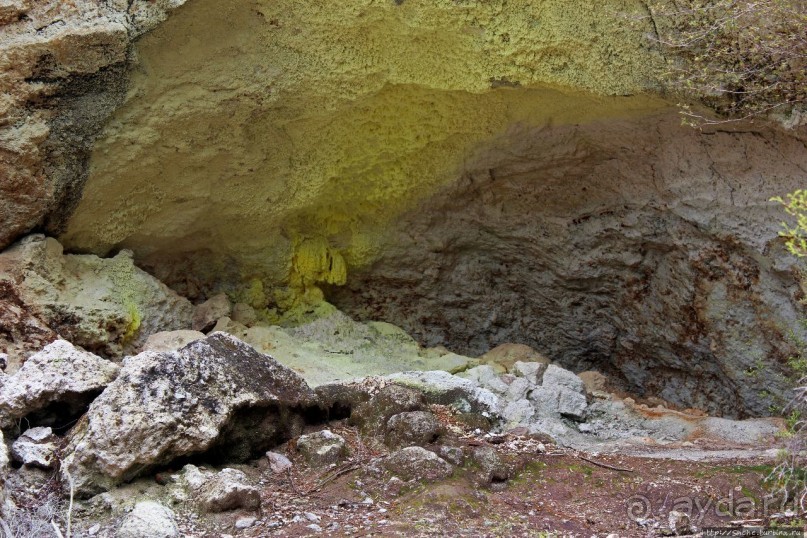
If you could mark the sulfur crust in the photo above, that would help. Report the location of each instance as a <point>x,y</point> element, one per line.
<point>284,135</point>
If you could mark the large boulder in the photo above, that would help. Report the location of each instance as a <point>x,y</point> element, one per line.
<point>217,396</point>
<point>58,376</point>
<point>108,306</point>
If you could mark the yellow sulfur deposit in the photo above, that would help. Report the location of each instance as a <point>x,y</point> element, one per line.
<point>280,136</point>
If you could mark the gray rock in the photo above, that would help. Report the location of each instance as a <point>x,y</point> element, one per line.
<point>442,388</point>
<point>491,466</point>
<point>559,400</point>
<point>216,395</point>
<point>518,412</point>
<point>228,490</point>
<point>452,454</point>
<point>36,447</point>
<point>171,340</point>
<point>208,313</point>
<point>322,448</point>
<point>149,519</point>
<point>531,371</point>
<point>373,415</point>
<point>278,463</point>
<point>413,428</point>
<point>59,373</point>
<point>417,463</point>
<point>487,377</point>
<point>557,376</point>
<point>518,389</point>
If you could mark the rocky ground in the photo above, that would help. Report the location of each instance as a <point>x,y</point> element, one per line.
<point>228,425</point>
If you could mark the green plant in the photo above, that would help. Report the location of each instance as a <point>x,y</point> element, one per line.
<point>743,58</point>
<point>795,205</point>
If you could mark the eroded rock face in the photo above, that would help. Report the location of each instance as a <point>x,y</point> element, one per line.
<point>62,73</point>
<point>108,306</point>
<point>215,395</point>
<point>641,249</point>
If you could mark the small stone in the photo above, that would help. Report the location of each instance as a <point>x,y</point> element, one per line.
<point>678,523</point>
<point>368,501</point>
<point>149,519</point>
<point>92,531</point>
<point>314,527</point>
<point>245,522</point>
<point>322,448</point>
<point>229,490</point>
<point>311,516</point>
<point>278,463</point>
<point>453,455</point>
<point>491,466</point>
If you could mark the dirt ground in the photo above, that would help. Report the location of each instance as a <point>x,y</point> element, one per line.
<point>551,492</point>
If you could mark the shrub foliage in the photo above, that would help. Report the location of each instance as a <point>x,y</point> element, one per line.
<point>742,58</point>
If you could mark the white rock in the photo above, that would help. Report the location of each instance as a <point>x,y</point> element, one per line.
<point>4,459</point>
<point>518,388</point>
<point>36,447</point>
<point>322,448</point>
<point>103,304</point>
<point>229,490</point>
<point>487,377</point>
<point>446,389</point>
<point>278,463</point>
<point>57,372</point>
<point>149,519</point>
<point>518,412</point>
<point>245,522</point>
<point>531,371</point>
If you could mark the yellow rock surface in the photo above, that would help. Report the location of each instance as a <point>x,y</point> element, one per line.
<point>279,137</point>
